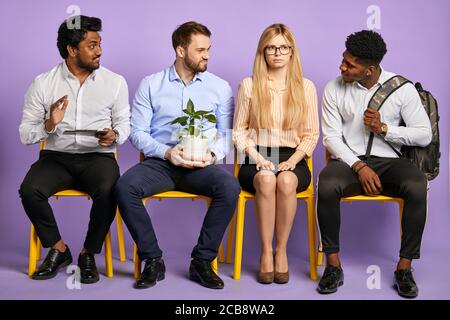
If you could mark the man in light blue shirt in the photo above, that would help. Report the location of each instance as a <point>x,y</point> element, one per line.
<point>159,100</point>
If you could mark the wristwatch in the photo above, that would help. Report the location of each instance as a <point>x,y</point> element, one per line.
<point>117,135</point>
<point>384,129</point>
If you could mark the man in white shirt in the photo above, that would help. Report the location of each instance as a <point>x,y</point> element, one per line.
<point>346,125</point>
<point>75,95</point>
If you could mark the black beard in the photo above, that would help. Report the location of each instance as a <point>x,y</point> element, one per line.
<point>86,66</point>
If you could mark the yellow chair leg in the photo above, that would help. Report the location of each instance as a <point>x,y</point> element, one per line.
<point>137,263</point>
<point>38,249</point>
<point>120,240</point>
<point>230,238</point>
<point>214,266</point>
<point>239,238</point>
<point>33,251</point>
<point>108,255</point>
<point>220,255</point>
<point>320,258</point>
<point>312,239</point>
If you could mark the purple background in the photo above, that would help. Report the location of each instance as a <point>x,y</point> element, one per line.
<point>137,42</point>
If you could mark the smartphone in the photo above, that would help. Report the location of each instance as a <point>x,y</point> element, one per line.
<point>100,134</point>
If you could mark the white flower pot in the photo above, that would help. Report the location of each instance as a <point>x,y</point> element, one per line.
<point>194,148</point>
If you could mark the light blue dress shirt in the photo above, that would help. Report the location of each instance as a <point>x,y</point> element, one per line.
<point>160,99</point>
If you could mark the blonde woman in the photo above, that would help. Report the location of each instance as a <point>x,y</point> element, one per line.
<point>276,126</point>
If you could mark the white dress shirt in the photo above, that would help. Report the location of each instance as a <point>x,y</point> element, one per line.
<point>344,132</point>
<point>101,102</point>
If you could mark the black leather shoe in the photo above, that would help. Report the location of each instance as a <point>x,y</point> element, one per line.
<point>154,270</point>
<point>200,271</point>
<point>333,277</point>
<point>88,269</point>
<point>405,284</point>
<point>54,261</point>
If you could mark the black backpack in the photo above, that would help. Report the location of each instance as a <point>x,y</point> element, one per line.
<point>425,158</point>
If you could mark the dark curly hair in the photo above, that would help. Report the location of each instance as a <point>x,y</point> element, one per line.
<point>73,34</point>
<point>368,46</point>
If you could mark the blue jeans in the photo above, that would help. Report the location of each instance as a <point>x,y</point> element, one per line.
<point>155,175</point>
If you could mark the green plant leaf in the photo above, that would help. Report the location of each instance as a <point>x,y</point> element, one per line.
<point>201,112</point>
<point>181,120</point>
<point>187,112</point>
<point>211,118</point>
<point>190,107</point>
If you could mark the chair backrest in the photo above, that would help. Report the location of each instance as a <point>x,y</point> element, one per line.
<point>309,162</point>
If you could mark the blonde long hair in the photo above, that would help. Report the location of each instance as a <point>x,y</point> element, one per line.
<point>294,99</point>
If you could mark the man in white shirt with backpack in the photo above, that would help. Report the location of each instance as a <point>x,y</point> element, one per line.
<point>361,141</point>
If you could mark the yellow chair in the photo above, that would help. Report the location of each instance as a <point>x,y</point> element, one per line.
<point>35,244</point>
<point>239,216</point>
<point>171,195</point>
<point>381,198</point>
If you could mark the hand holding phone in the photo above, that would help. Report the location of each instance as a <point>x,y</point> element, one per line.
<point>100,134</point>
<point>106,137</point>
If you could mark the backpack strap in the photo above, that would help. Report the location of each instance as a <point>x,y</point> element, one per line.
<point>377,100</point>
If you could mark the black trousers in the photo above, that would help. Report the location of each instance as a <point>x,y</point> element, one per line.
<point>94,173</point>
<point>399,178</point>
<point>155,175</point>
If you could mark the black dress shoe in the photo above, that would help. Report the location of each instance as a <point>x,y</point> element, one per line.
<point>333,277</point>
<point>54,261</point>
<point>154,270</point>
<point>88,269</point>
<point>405,284</point>
<point>200,271</point>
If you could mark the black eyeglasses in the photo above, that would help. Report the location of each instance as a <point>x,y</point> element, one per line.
<point>284,49</point>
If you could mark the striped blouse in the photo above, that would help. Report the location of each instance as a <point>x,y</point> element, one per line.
<point>246,135</point>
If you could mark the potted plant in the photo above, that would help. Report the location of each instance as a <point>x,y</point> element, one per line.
<point>195,144</point>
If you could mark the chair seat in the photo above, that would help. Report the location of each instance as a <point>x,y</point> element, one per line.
<point>301,195</point>
<point>370,198</point>
<point>71,193</point>
<point>175,194</point>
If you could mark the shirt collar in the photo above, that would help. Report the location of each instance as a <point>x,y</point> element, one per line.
<point>69,75</point>
<point>383,76</point>
<point>173,75</point>
<point>381,79</point>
